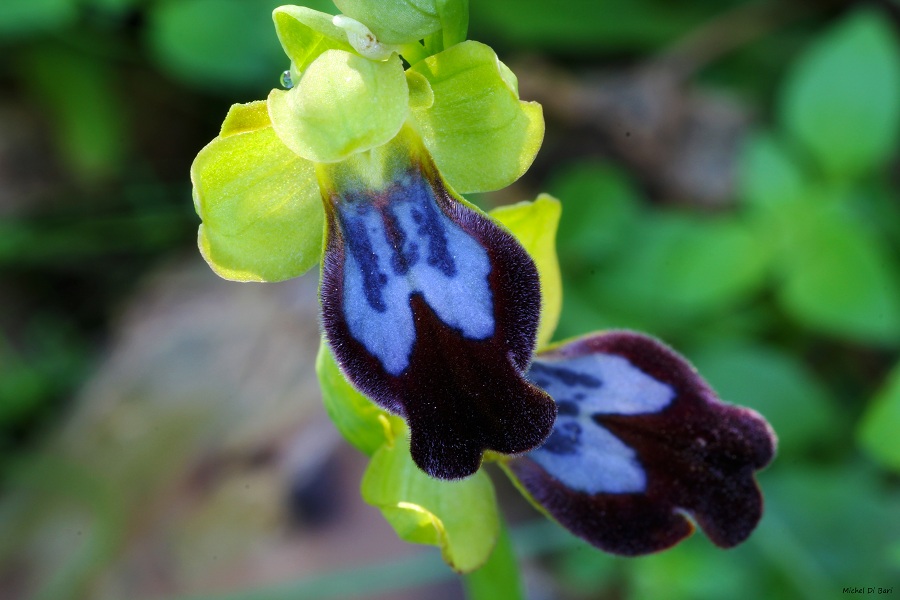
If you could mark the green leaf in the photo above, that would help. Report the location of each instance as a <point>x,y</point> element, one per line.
<point>842,98</point>
<point>769,176</point>
<point>20,18</point>
<point>602,207</point>
<point>591,26</point>
<point>837,276</point>
<point>89,121</point>
<point>880,424</point>
<point>458,516</point>
<point>305,33</point>
<point>218,45</point>
<point>479,133</point>
<point>360,421</point>
<point>343,104</point>
<point>681,267</point>
<point>799,407</point>
<point>534,224</point>
<point>404,21</point>
<point>259,202</point>
<point>499,577</point>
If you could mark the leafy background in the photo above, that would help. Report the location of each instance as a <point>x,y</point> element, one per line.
<point>729,180</point>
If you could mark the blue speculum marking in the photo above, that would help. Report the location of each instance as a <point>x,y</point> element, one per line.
<point>400,243</point>
<point>580,453</point>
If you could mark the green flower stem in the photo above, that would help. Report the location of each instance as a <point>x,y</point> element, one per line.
<point>500,576</point>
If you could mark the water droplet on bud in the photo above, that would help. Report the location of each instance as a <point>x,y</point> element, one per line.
<point>286,81</point>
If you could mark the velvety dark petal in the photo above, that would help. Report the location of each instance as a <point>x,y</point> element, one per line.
<point>640,443</point>
<point>431,310</point>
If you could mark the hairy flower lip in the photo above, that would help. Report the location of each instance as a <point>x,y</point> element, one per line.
<point>697,454</point>
<point>449,353</point>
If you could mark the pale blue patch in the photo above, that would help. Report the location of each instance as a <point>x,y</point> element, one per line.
<point>420,250</point>
<point>580,453</point>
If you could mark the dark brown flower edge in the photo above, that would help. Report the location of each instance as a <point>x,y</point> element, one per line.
<point>698,454</point>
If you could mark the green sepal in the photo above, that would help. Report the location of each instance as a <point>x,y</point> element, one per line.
<point>259,202</point>
<point>405,21</point>
<point>343,104</point>
<point>460,517</point>
<point>481,135</point>
<point>535,224</point>
<point>305,34</point>
<point>358,419</point>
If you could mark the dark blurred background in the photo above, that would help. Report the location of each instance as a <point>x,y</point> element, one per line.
<point>728,173</point>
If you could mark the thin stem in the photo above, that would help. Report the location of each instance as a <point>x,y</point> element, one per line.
<point>499,577</point>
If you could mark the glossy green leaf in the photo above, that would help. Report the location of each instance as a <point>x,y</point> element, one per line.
<point>305,33</point>
<point>842,98</point>
<point>458,516</point>
<point>534,224</point>
<point>360,421</point>
<point>404,21</point>
<point>343,104</point>
<point>837,278</point>
<point>479,133</point>
<point>799,407</point>
<point>880,425</point>
<point>259,202</point>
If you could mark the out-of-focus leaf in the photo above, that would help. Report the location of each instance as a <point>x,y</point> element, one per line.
<point>602,206</point>
<point>769,176</point>
<point>827,526</point>
<point>360,421</point>
<point>260,203</point>
<point>481,135</point>
<point>217,44</point>
<point>88,116</point>
<point>837,277</point>
<point>799,407</point>
<point>682,267</point>
<point>842,99</point>
<point>588,24</point>
<point>20,18</point>
<point>694,570</point>
<point>343,104</point>
<point>460,516</point>
<point>880,425</point>
<point>534,225</point>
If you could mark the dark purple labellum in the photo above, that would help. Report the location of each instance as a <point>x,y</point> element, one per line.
<point>431,310</point>
<point>640,441</point>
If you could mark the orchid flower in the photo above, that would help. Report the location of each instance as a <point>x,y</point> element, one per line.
<point>436,316</point>
<point>418,286</point>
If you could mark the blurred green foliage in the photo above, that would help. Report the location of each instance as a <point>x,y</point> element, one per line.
<point>788,300</point>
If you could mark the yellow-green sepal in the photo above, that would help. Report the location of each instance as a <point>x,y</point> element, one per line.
<point>409,20</point>
<point>460,517</point>
<point>259,202</point>
<point>535,224</point>
<point>481,135</point>
<point>305,34</point>
<point>343,104</point>
<point>358,419</point>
